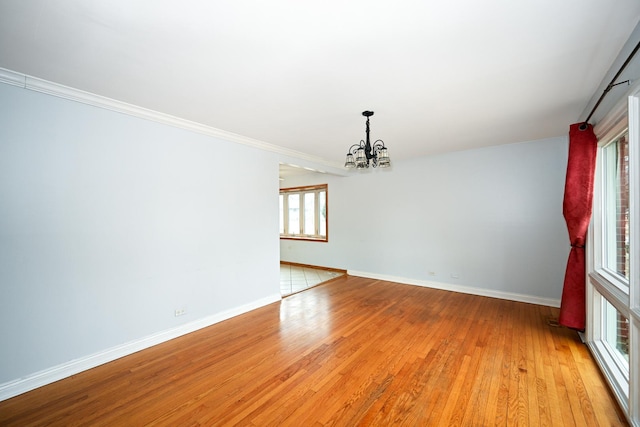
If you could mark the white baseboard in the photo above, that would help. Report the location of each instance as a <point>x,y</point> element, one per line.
<point>47,376</point>
<point>459,288</point>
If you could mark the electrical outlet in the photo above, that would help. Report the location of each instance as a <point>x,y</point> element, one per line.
<point>432,273</point>
<point>455,276</point>
<point>180,312</point>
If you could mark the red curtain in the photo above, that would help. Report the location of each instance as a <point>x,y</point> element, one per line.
<point>576,208</point>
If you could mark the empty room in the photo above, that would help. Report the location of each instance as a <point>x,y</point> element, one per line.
<point>344,213</point>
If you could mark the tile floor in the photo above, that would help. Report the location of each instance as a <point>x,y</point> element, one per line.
<point>294,278</point>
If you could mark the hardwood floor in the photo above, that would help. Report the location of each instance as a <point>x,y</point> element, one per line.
<point>350,352</point>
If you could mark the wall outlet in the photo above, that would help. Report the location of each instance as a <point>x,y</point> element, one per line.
<point>432,273</point>
<point>455,276</point>
<point>180,312</point>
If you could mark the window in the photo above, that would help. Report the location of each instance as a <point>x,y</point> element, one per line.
<point>613,284</point>
<point>615,176</point>
<point>615,332</point>
<point>303,213</point>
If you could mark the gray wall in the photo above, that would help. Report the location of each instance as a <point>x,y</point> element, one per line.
<point>108,223</point>
<point>491,216</point>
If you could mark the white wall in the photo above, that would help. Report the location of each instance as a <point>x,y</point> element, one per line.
<point>491,216</point>
<point>108,223</point>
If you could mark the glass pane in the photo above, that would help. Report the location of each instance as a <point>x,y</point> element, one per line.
<point>616,208</point>
<point>294,213</point>
<point>616,331</point>
<point>309,214</point>
<point>322,205</point>
<point>281,214</point>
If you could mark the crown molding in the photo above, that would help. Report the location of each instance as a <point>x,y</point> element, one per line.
<point>54,89</point>
<point>12,78</point>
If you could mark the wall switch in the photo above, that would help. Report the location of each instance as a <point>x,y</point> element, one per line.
<point>180,312</point>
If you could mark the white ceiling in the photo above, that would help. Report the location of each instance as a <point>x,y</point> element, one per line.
<point>440,75</point>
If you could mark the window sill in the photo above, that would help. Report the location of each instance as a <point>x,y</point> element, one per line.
<point>305,238</point>
<point>610,290</point>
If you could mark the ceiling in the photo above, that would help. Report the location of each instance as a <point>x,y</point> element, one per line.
<point>439,75</point>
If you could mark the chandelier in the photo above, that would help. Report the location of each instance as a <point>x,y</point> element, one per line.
<point>361,155</point>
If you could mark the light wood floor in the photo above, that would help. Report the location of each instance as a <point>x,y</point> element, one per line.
<point>350,352</point>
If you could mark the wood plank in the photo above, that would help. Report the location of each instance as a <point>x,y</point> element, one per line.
<point>353,351</point>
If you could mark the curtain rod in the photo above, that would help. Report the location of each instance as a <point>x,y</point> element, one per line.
<point>584,124</point>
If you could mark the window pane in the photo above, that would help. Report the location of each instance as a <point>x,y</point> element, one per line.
<point>616,331</point>
<point>281,214</point>
<point>616,209</point>
<point>309,214</point>
<point>294,213</point>
<point>322,202</point>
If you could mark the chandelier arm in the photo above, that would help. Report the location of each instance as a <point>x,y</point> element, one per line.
<point>355,147</point>
<point>379,144</point>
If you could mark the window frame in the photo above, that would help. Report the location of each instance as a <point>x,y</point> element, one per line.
<point>604,285</point>
<point>302,191</point>
<point>608,214</point>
